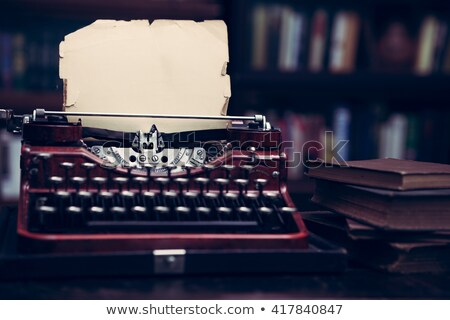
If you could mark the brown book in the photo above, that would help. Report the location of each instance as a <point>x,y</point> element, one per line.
<point>402,254</point>
<point>419,210</point>
<point>393,174</point>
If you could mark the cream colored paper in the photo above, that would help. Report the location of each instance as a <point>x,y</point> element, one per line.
<point>167,67</point>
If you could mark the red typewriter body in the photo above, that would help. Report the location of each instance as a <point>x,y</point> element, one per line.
<point>72,200</point>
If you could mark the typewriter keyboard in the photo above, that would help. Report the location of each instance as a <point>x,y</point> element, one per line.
<point>161,210</point>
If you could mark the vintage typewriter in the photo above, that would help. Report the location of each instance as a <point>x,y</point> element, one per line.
<point>222,192</point>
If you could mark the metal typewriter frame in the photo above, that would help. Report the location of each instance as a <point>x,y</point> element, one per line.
<point>64,141</point>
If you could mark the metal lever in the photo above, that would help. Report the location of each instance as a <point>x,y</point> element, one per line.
<point>12,123</point>
<point>259,119</point>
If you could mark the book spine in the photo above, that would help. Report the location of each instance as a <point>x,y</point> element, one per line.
<point>18,61</point>
<point>351,44</point>
<point>6,60</point>
<point>337,47</point>
<point>296,131</point>
<point>412,138</point>
<point>286,42</point>
<point>273,40</point>
<point>344,42</point>
<point>291,40</point>
<point>318,41</point>
<point>341,132</point>
<point>260,36</point>
<point>441,40</point>
<point>393,137</point>
<point>427,41</point>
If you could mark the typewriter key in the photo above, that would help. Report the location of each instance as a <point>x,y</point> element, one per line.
<point>231,199</point>
<point>120,182</point>
<point>44,157</point>
<point>139,213</point>
<point>118,213</point>
<point>149,198</point>
<point>210,199</point>
<point>47,216</point>
<point>170,194</point>
<point>75,216</point>
<point>55,181</point>
<point>245,211</point>
<point>105,199</point>
<point>228,169</point>
<point>224,212</point>
<point>181,182</point>
<point>140,181</point>
<point>96,213</point>
<point>191,198</point>
<point>288,210</point>
<point>169,198</point>
<point>271,198</point>
<point>67,166</point>
<point>191,195</point>
<point>83,199</point>
<point>183,212</point>
<point>242,185</point>
<point>163,212</point>
<point>127,198</point>
<point>203,211</point>
<point>77,182</point>
<point>221,183</point>
<point>62,201</point>
<point>259,185</point>
<point>265,210</point>
<point>99,182</point>
<point>87,166</point>
<point>162,182</point>
<point>231,196</point>
<point>251,196</point>
<point>271,195</point>
<point>202,182</point>
<point>211,195</point>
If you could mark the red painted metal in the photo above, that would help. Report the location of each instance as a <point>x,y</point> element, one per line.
<point>63,147</point>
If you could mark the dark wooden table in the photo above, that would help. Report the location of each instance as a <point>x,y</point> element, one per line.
<point>353,284</point>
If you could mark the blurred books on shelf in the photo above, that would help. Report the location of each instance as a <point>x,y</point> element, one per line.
<point>353,134</point>
<point>294,38</point>
<point>29,60</point>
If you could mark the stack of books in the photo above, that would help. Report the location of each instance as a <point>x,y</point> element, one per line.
<point>390,214</point>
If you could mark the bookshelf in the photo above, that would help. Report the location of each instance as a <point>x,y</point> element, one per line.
<point>25,101</point>
<point>106,9</point>
<point>364,85</point>
<point>409,102</point>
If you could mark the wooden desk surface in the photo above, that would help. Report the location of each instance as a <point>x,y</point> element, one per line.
<point>353,284</point>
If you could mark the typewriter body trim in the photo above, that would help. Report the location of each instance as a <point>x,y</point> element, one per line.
<point>64,142</point>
